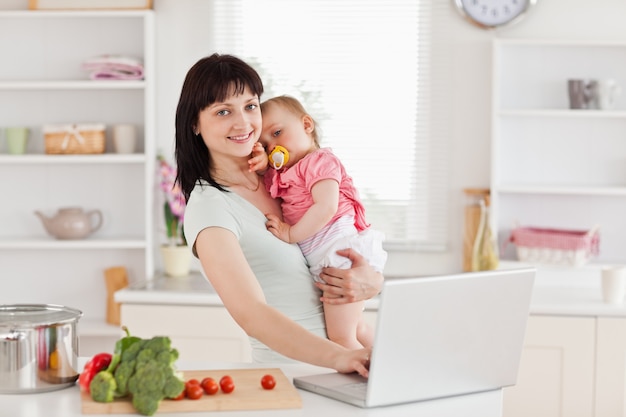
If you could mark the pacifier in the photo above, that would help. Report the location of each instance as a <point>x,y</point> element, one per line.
<point>279,157</point>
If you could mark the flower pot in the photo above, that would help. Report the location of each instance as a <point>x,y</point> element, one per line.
<point>176,260</point>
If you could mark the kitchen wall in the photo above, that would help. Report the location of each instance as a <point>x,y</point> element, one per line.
<point>184,36</point>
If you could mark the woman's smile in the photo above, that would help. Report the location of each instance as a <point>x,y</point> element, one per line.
<point>242,138</point>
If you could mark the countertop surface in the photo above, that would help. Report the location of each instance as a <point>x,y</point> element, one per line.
<point>66,402</point>
<point>193,289</point>
<point>548,299</point>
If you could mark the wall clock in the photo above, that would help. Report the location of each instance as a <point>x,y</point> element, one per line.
<point>490,14</point>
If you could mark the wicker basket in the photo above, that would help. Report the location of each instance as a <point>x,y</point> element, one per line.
<point>554,246</point>
<point>74,139</point>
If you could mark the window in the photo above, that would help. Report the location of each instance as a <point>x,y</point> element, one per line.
<point>361,68</point>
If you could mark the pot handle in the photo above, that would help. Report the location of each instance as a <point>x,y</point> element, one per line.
<point>98,215</point>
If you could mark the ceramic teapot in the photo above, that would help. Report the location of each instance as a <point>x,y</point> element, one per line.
<point>72,222</point>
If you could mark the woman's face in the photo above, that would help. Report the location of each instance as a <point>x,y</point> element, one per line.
<point>283,127</point>
<point>230,128</point>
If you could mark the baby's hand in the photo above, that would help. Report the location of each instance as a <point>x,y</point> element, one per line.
<point>258,161</point>
<point>277,227</point>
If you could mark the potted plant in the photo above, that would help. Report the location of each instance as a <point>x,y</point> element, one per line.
<point>176,255</point>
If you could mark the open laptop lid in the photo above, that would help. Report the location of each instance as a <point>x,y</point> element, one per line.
<point>449,335</point>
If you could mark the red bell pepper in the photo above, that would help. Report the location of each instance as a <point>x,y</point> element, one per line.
<point>96,364</point>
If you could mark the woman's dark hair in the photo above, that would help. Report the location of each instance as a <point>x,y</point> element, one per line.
<point>209,80</point>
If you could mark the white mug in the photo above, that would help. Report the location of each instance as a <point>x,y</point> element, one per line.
<point>605,92</point>
<point>613,284</point>
<point>124,138</point>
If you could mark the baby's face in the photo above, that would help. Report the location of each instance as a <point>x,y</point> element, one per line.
<point>284,128</point>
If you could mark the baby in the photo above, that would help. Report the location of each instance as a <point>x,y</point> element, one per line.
<point>320,205</point>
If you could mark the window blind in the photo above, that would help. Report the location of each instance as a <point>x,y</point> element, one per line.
<point>363,69</point>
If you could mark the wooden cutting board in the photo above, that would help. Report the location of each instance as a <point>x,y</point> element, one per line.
<point>248,395</point>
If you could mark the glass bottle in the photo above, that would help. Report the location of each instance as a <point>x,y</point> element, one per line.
<point>471,221</point>
<point>485,251</point>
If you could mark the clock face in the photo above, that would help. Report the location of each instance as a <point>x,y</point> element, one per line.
<point>493,13</point>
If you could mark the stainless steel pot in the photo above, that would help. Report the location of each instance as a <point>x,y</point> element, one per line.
<point>38,348</point>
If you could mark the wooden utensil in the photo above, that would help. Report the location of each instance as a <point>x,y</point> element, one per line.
<point>115,278</point>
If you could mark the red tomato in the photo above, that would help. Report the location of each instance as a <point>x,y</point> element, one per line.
<point>210,386</point>
<point>227,385</point>
<point>194,391</point>
<point>268,382</point>
<point>192,381</point>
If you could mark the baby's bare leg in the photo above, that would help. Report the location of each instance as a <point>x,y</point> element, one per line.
<point>365,334</point>
<point>343,322</point>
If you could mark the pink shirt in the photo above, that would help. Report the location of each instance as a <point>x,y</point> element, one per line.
<point>293,185</point>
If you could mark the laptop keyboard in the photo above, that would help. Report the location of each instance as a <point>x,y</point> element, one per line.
<point>357,387</point>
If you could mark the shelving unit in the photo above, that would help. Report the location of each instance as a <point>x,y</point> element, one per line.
<point>552,166</point>
<point>42,82</point>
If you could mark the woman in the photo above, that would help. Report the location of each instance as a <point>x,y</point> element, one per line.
<point>263,282</point>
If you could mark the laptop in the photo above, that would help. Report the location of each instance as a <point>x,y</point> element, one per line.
<point>438,337</point>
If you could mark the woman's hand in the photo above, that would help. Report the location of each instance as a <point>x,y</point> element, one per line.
<point>344,286</point>
<point>354,360</point>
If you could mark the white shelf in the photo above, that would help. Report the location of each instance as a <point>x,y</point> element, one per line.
<point>48,85</point>
<point>552,166</point>
<point>561,190</point>
<point>72,85</point>
<point>84,244</point>
<point>567,113</point>
<point>39,159</point>
<point>575,43</point>
<point>74,14</point>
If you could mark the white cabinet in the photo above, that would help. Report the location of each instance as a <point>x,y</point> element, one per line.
<point>41,82</point>
<point>552,166</point>
<point>611,368</point>
<point>571,366</point>
<point>557,367</point>
<point>199,333</point>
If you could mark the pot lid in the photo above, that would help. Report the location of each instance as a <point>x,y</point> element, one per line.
<point>35,315</point>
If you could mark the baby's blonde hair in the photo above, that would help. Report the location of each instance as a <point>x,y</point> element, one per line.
<point>294,106</point>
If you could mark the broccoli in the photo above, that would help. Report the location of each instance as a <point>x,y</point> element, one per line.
<point>147,372</point>
<point>121,374</point>
<point>131,352</point>
<point>153,381</point>
<point>102,387</point>
<point>142,368</point>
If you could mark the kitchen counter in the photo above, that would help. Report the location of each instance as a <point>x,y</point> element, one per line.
<point>66,402</point>
<point>190,290</point>
<point>575,300</point>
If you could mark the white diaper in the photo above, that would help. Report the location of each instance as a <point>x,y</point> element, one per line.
<point>368,243</point>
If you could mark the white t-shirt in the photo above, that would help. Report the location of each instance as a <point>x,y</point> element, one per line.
<point>279,267</point>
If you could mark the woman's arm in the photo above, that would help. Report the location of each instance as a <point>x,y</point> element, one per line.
<point>228,271</point>
<point>359,282</point>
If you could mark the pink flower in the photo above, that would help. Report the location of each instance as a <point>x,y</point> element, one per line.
<point>174,207</point>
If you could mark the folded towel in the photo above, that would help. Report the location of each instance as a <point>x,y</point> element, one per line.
<point>114,67</point>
